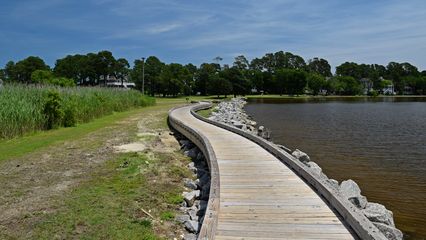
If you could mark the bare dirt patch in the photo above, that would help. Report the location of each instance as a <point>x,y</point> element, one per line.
<point>34,186</point>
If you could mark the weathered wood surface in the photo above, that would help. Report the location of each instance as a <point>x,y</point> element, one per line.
<point>260,197</point>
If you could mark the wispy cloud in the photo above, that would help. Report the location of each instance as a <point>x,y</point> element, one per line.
<point>196,31</point>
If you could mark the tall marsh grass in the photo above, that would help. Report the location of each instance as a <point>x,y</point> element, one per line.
<point>25,109</point>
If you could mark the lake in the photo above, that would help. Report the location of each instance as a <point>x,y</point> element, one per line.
<point>378,142</point>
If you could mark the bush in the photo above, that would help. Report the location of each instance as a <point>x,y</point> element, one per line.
<point>52,110</point>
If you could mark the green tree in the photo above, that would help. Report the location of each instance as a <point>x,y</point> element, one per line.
<point>218,85</point>
<point>319,66</point>
<point>241,62</point>
<point>202,76</point>
<point>240,84</point>
<point>345,85</point>
<point>121,69</point>
<point>316,82</point>
<point>41,76</point>
<point>290,81</point>
<point>23,69</point>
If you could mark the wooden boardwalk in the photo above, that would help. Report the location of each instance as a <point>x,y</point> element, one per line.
<point>260,197</point>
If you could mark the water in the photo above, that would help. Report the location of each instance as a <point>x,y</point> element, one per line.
<point>380,143</point>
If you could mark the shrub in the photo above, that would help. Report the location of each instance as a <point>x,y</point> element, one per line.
<point>52,110</point>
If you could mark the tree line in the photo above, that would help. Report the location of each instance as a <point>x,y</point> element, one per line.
<point>274,73</point>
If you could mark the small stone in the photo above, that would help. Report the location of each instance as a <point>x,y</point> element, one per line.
<point>192,226</point>
<point>390,233</point>
<point>261,128</point>
<point>189,198</point>
<point>192,153</point>
<point>182,218</point>
<point>303,157</point>
<point>190,184</point>
<point>190,236</point>
<point>378,213</point>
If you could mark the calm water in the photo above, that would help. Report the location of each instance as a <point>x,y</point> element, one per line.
<point>379,143</point>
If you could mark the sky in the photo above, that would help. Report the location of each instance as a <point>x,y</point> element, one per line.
<point>184,31</point>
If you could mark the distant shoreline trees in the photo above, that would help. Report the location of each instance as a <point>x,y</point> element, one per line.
<point>274,73</point>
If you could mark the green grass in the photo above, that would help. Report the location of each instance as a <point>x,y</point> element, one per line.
<point>167,216</point>
<point>207,112</point>
<point>106,207</point>
<point>24,145</point>
<point>26,109</point>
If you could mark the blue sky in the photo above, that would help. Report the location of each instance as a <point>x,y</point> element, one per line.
<point>374,31</point>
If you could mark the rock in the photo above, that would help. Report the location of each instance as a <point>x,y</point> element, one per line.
<point>184,142</point>
<point>315,169</point>
<point>193,215</point>
<point>283,148</point>
<point>192,167</point>
<point>204,179</point>
<point>238,124</point>
<point>189,197</point>
<point>333,183</point>
<point>192,153</point>
<point>192,226</point>
<point>378,213</point>
<point>352,192</point>
<point>190,184</point>
<point>261,129</point>
<point>303,157</point>
<point>390,233</point>
<point>190,236</point>
<point>200,156</point>
<point>182,218</point>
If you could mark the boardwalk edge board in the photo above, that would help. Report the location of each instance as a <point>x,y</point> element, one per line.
<point>352,217</point>
<point>209,224</point>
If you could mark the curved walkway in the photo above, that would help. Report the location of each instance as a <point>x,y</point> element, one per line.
<point>260,197</point>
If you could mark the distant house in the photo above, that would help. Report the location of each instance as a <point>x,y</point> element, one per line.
<point>367,85</point>
<point>408,90</point>
<point>388,89</point>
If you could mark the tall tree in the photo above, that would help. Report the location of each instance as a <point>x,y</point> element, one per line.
<point>23,69</point>
<point>319,66</point>
<point>241,62</point>
<point>219,86</point>
<point>121,69</point>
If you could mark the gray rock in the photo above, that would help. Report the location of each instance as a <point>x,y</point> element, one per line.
<point>189,198</point>
<point>193,215</point>
<point>261,128</point>
<point>283,148</point>
<point>303,157</point>
<point>192,226</point>
<point>352,192</point>
<point>192,153</point>
<point>192,167</point>
<point>200,156</point>
<point>333,183</point>
<point>190,236</point>
<point>190,184</point>
<point>315,169</point>
<point>378,213</point>
<point>182,218</point>
<point>390,233</point>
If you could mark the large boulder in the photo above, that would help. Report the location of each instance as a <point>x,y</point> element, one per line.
<point>350,190</point>
<point>314,168</point>
<point>378,213</point>
<point>192,226</point>
<point>390,232</point>
<point>303,157</point>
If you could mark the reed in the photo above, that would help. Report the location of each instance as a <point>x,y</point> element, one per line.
<point>27,108</point>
